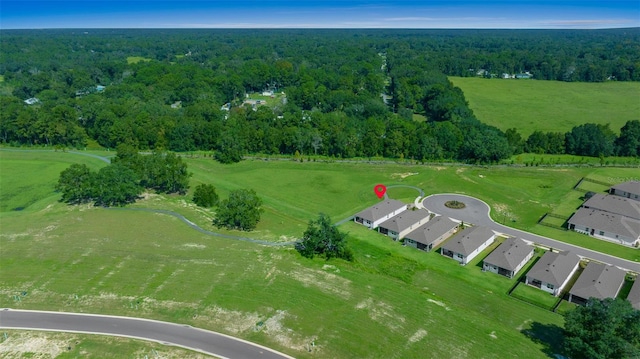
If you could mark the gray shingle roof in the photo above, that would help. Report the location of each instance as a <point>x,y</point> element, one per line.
<point>509,254</point>
<point>634,294</point>
<point>598,280</point>
<point>606,221</point>
<point>614,204</point>
<point>381,209</point>
<point>404,220</point>
<point>554,268</point>
<point>468,240</point>
<point>629,187</point>
<point>432,230</point>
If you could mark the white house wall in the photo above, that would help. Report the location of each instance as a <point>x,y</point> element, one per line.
<point>490,268</point>
<point>479,249</point>
<point>459,257</point>
<point>607,236</point>
<point>517,269</point>
<point>363,222</point>
<point>554,290</point>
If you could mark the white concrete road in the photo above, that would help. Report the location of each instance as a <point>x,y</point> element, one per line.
<point>203,341</point>
<point>477,212</point>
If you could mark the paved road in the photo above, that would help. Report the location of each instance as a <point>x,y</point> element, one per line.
<point>203,341</point>
<point>477,212</point>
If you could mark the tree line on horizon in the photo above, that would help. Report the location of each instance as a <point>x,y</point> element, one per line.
<point>333,82</point>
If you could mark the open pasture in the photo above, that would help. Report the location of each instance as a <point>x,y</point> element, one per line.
<point>153,265</point>
<point>136,59</point>
<point>550,106</point>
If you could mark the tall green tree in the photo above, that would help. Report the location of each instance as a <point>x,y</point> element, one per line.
<point>628,143</point>
<point>590,139</point>
<point>116,185</point>
<point>603,329</point>
<point>324,239</point>
<point>76,184</point>
<point>165,173</point>
<point>241,210</point>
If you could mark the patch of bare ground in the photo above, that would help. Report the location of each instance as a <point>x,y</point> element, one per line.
<point>460,172</point>
<point>382,313</point>
<point>417,336</point>
<point>45,345</point>
<point>504,211</point>
<point>438,303</point>
<point>23,344</point>
<point>325,282</point>
<point>403,175</point>
<point>194,245</point>
<point>276,330</point>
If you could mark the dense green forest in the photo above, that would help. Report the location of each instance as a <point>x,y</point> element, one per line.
<point>349,93</point>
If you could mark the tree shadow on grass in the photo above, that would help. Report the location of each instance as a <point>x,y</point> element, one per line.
<point>550,336</point>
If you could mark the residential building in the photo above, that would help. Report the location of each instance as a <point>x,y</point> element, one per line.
<point>614,204</point>
<point>509,257</point>
<point>398,226</point>
<point>552,272</point>
<point>380,212</point>
<point>606,225</point>
<point>32,101</point>
<point>467,244</point>
<point>634,294</point>
<point>597,280</point>
<point>431,234</point>
<point>630,189</point>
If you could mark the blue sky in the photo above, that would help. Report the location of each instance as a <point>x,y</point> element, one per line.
<point>549,14</point>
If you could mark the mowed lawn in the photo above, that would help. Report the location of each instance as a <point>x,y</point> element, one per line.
<point>550,106</point>
<point>392,301</point>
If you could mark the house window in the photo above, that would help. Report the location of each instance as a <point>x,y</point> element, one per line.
<point>550,286</point>
<point>601,233</point>
<point>459,255</point>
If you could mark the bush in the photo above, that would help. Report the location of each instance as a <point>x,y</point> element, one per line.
<point>324,239</point>
<point>205,196</point>
<point>240,211</point>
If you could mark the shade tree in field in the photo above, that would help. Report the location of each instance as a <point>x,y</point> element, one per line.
<point>116,185</point>
<point>77,184</point>
<point>165,173</point>
<point>241,210</point>
<point>322,238</point>
<point>162,172</point>
<point>122,181</point>
<point>205,195</point>
<point>603,329</point>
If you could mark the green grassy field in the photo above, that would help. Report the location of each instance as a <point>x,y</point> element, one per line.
<point>392,301</point>
<point>534,296</point>
<point>530,105</point>
<point>268,100</point>
<point>136,59</point>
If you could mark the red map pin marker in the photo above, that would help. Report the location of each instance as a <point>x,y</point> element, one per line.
<point>380,190</point>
